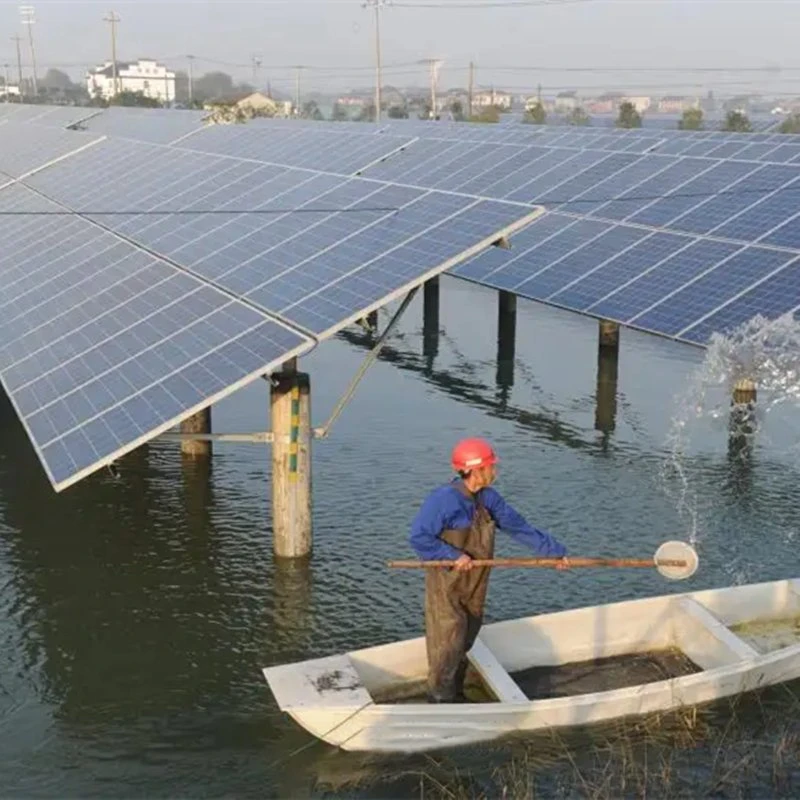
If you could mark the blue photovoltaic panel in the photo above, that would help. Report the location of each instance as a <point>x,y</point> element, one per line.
<point>618,270</point>
<point>157,125</point>
<point>27,147</point>
<point>786,235</point>
<point>307,148</point>
<point>541,185</point>
<point>607,168</point>
<point>581,261</point>
<point>660,213</point>
<point>384,273</point>
<point>771,298</point>
<point>481,181</point>
<point>764,216</point>
<point>545,243</point>
<point>735,199</point>
<point>717,286</point>
<point>618,184</point>
<point>651,189</point>
<point>651,286</point>
<point>51,116</point>
<point>278,236</point>
<point>102,345</point>
<point>483,267</point>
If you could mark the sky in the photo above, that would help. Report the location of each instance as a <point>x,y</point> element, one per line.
<point>560,44</point>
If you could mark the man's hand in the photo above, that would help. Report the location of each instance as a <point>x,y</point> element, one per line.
<point>463,563</point>
<point>563,564</point>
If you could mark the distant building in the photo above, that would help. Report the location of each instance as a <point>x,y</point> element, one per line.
<point>239,108</point>
<point>352,101</point>
<point>492,98</point>
<point>145,75</point>
<point>676,105</point>
<point>641,104</point>
<point>566,102</point>
<point>599,105</point>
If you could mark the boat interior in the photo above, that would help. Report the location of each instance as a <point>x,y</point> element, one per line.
<point>600,648</point>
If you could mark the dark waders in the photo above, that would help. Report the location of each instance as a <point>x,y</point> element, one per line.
<point>454,603</point>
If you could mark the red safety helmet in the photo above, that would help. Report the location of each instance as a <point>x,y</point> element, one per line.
<point>471,454</point>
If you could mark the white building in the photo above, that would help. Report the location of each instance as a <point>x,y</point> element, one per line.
<point>145,75</point>
<point>492,98</point>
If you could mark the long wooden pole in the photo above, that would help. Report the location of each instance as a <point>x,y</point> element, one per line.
<point>546,562</point>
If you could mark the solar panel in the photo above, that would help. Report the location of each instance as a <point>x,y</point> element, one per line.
<point>103,346</point>
<point>128,303</point>
<point>145,124</point>
<point>583,255</point>
<point>311,247</point>
<point>306,147</point>
<point>24,148</point>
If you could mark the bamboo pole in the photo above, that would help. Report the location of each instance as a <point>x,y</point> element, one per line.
<point>545,562</point>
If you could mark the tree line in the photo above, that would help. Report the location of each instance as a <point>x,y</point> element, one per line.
<point>693,119</point>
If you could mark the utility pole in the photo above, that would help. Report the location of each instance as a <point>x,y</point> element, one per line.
<point>297,91</point>
<point>17,40</point>
<point>191,79</point>
<point>471,86</point>
<point>5,66</point>
<point>256,66</point>
<point>28,18</point>
<point>113,19</point>
<point>434,65</point>
<point>433,88</point>
<point>377,5</point>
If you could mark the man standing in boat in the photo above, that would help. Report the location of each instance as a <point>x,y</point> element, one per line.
<point>457,522</point>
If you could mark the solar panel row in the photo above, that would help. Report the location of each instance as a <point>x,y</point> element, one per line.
<point>131,301</point>
<point>103,345</point>
<point>659,281</point>
<point>189,270</point>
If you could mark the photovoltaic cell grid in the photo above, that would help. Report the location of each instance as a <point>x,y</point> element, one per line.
<point>314,248</point>
<point>102,345</point>
<point>157,125</point>
<point>186,275</point>
<point>356,241</point>
<point>306,147</point>
<point>53,116</point>
<point>24,148</point>
<point>713,205</point>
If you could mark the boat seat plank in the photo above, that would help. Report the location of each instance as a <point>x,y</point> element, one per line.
<point>737,648</point>
<point>495,676</point>
<point>322,683</point>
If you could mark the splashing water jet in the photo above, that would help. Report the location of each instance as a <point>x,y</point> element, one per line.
<point>760,356</point>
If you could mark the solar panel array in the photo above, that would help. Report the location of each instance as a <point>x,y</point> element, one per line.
<point>139,282</point>
<point>157,125</point>
<point>685,239</point>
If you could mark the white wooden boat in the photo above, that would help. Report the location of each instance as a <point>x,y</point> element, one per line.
<point>736,639</point>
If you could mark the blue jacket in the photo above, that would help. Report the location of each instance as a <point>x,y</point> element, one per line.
<point>447,507</point>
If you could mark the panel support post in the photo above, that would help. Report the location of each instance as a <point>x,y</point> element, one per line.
<point>430,318</point>
<point>743,411</point>
<point>609,335</point>
<point>506,338</point>
<point>198,423</point>
<point>372,320</point>
<point>290,403</point>
<point>606,400</point>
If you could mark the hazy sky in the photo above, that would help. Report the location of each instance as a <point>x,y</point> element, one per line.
<point>338,34</point>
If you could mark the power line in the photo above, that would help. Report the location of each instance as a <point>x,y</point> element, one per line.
<point>492,4</point>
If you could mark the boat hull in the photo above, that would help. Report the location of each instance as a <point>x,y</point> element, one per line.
<point>337,699</point>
